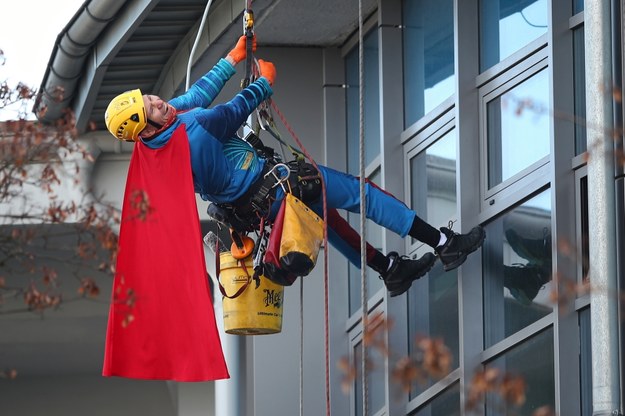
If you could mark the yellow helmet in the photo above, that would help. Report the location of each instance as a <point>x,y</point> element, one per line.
<point>125,116</point>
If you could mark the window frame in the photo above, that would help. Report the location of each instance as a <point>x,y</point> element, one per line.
<point>417,143</point>
<point>537,173</point>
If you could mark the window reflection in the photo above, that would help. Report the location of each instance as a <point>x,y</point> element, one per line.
<point>433,313</point>
<point>508,25</point>
<point>433,181</point>
<point>428,56</point>
<point>517,268</point>
<point>518,128</point>
<point>532,362</point>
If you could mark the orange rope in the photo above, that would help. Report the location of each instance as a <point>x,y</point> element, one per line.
<point>325,250</point>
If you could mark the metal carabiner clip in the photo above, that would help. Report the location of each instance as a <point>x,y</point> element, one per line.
<point>280,180</point>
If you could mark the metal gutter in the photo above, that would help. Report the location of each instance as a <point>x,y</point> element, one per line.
<point>70,51</point>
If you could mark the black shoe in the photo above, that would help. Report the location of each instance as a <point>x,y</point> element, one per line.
<point>455,250</point>
<point>524,282</point>
<point>404,271</point>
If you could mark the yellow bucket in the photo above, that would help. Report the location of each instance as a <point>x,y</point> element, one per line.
<point>257,310</point>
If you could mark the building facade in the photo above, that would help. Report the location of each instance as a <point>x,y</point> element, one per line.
<point>501,113</point>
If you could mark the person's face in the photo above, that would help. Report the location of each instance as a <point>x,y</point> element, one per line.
<point>157,111</point>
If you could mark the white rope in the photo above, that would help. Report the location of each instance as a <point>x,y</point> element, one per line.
<point>363,210</point>
<point>197,41</point>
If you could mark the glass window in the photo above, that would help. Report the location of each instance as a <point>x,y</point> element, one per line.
<point>518,128</point>
<point>433,301</point>
<point>433,181</point>
<point>532,361</point>
<point>585,228</point>
<point>578,6</point>
<point>579,91</point>
<point>517,268</point>
<point>428,50</point>
<point>506,26</point>
<point>447,404</point>
<point>371,103</point>
<point>375,380</point>
<point>433,313</point>
<point>374,237</point>
<point>585,361</point>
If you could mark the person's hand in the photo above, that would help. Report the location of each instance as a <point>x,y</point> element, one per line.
<point>239,52</point>
<point>267,70</point>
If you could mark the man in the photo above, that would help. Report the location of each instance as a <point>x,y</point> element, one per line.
<point>227,170</point>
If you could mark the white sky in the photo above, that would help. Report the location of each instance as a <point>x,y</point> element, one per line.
<point>27,34</point>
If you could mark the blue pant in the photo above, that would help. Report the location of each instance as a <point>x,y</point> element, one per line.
<point>343,192</point>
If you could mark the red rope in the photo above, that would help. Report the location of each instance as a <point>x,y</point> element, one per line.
<point>325,249</point>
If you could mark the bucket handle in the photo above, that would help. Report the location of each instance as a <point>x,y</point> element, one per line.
<point>242,288</point>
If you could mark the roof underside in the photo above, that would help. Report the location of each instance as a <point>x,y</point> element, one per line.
<point>144,41</point>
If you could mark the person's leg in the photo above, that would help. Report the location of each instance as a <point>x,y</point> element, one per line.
<point>343,191</point>
<point>397,272</point>
<point>348,243</point>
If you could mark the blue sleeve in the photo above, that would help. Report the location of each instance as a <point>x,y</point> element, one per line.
<point>204,91</point>
<point>223,121</point>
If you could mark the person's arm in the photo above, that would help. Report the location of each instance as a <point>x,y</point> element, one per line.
<point>223,121</point>
<point>204,91</point>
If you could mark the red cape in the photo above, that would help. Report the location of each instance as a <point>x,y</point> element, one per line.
<point>161,319</point>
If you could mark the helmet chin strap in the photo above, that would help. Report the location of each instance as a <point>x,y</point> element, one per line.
<point>155,124</point>
<point>160,127</point>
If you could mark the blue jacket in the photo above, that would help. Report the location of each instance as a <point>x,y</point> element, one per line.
<point>223,165</point>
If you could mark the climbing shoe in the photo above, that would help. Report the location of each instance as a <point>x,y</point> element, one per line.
<point>455,250</point>
<point>524,281</point>
<point>404,271</point>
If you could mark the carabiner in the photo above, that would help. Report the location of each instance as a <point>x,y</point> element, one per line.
<point>280,180</point>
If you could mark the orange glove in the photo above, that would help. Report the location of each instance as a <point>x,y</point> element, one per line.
<point>238,53</point>
<point>267,70</point>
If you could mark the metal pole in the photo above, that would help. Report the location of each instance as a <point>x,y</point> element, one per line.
<point>601,204</point>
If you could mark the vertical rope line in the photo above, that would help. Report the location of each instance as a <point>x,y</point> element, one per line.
<point>325,252</point>
<point>195,43</point>
<point>363,210</point>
